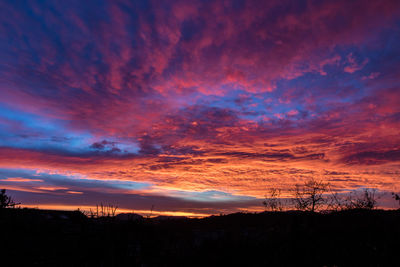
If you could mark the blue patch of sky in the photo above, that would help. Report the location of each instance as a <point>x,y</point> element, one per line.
<point>78,182</point>
<point>37,132</point>
<point>209,196</point>
<point>247,105</point>
<point>128,147</point>
<point>25,130</point>
<point>125,145</point>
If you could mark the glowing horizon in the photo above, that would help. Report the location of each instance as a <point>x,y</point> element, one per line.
<point>196,107</point>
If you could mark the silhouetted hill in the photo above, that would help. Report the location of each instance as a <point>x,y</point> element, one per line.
<point>129,217</point>
<point>164,218</point>
<point>58,238</point>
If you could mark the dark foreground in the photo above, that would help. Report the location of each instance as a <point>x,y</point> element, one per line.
<point>349,238</point>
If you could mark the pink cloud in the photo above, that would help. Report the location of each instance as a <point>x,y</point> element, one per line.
<point>292,112</point>
<point>371,76</point>
<point>352,65</point>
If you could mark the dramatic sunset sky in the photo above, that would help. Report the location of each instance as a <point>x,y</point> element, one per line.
<point>196,107</point>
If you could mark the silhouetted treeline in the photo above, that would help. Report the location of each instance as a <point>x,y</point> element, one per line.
<point>345,238</point>
<point>315,195</point>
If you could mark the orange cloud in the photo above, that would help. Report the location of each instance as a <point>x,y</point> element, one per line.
<point>19,179</point>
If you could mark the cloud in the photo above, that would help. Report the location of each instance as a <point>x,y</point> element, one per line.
<point>20,179</point>
<point>373,157</point>
<point>373,75</point>
<point>353,66</point>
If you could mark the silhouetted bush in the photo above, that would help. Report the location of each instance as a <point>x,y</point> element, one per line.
<point>6,201</point>
<point>367,199</point>
<point>396,197</point>
<point>336,202</point>
<point>102,210</point>
<point>272,201</point>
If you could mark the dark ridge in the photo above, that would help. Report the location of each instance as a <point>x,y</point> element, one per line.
<point>64,238</point>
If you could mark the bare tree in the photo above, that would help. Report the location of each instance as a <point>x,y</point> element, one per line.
<point>310,195</point>
<point>6,201</point>
<point>272,201</point>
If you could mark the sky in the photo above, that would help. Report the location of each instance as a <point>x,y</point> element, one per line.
<point>196,107</point>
